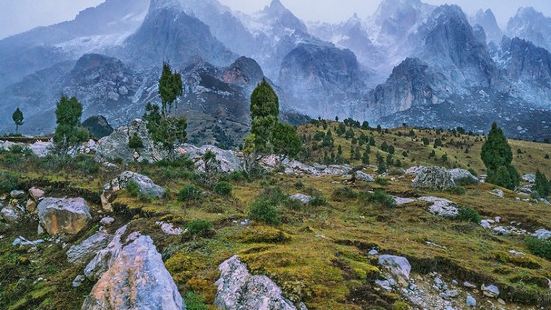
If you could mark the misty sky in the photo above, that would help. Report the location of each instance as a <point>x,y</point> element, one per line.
<point>21,15</point>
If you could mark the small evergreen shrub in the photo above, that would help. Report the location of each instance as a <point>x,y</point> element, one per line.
<point>133,188</point>
<point>382,181</point>
<point>458,190</point>
<point>379,198</point>
<point>318,200</point>
<point>539,247</point>
<point>189,193</point>
<point>264,210</point>
<point>195,302</point>
<point>223,188</point>
<point>8,182</point>
<point>199,227</point>
<point>469,215</point>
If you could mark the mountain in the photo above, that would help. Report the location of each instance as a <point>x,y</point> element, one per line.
<point>531,25</point>
<point>93,30</point>
<point>169,34</point>
<point>487,20</point>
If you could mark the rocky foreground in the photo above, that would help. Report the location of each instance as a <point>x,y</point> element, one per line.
<point>114,249</point>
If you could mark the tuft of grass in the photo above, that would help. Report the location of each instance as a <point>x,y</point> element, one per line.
<point>379,198</point>
<point>8,182</point>
<point>195,301</point>
<point>344,194</point>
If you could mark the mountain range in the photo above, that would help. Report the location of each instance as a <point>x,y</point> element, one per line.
<point>411,62</point>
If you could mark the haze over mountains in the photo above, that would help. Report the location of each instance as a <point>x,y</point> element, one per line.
<point>411,62</point>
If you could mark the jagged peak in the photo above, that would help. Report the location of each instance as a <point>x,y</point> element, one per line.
<point>164,4</point>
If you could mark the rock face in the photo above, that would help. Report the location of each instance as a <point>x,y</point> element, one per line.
<point>531,25</point>
<point>105,257</point>
<point>98,126</point>
<point>79,253</point>
<point>487,20</point>
<point>435,178</point>
<point>239,290</point>
<point>115,146</point>
<point>462,176</point>
<point>144,183</point>
<point>136,279</point>
<point>397,265</point>
<point>294,167</point>
<point>63,215</point>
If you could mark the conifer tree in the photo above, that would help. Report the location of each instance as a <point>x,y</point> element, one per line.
<point>497,157</point>
<point>264,117</point>
<point>170,87</point>
<point>17,119</point>
<point>68,132</point>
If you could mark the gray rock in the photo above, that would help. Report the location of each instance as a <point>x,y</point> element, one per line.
<point>105,257</point>
<point>385,284</point>
<point>471,301</point>
<point>226,161</point>
<point>77,282</point>
<point>490,290</point>
<point>441,207</point>
<point>373,252</point>
<point>36,193</point>
<point>485,224</point>
<point>468,284</point>
<point>22,242</point>
<point>497,192</point>
<point>294,167</point>
<point>107,221</point>
<point>10,214</point>
<point>542,234</point>
<point>434,178</point>
<point>397,265</point>
<point>450,294</point>
<point>169,229</point>
<point>362,176</point>
<point>402,201</point>
<point>304,199</point>
<point>16,194</point>
<point>115,146</point>
<point>63,215</point>
<point>145,184</point>
<point>462,176</point>
<point>136,279</point>
<point>85,250</point>
<point>237,289</point>
<point>529,177</point>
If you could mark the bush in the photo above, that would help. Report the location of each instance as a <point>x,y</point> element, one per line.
<point>195,302</point>
<point>264,210</point>
<point>199,227</point>
<point>318,200</point>
<point>8,182</point>
<point>189,193</point>
<point>382,181</point>
<point>133,188</point>
<point>223,188</point>
<point>458,190</point>
<point>469,215</point>
<point>344,193</point>
<point>380,198</point>
<point>539,247</point>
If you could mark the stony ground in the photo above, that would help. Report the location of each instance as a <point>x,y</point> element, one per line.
<point>340,252</point>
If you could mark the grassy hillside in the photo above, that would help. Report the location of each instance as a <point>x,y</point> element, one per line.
<point>318,253</point>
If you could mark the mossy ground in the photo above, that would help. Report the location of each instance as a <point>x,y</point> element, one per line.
<point>317,255</point>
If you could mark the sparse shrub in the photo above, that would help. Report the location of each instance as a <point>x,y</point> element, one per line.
<point>299,185</point>
<point>318,200</point>
<point>135,142</point>
<point>189,193</point>
<point>539,247</point>
<point>8,182</point>
<point>542,186</point>
<point>199,227</point>
<point>379,198</point>
<point>458,190</point>
<point>344,193</point>
<point>264,210</point>
<point>195,302</point>
<point>133,188</point>
<point>469,215</point>
<point>223,188</point>
<point>382,181</point>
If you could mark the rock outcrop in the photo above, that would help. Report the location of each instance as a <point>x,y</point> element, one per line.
<point>63,215</point>
<point>145,185</point>
<point>441,207</point>
<point>136,278</point>
<point>239,290</point>
<point>226,161</point>
<point>85,250</point>
<point>434,178</point>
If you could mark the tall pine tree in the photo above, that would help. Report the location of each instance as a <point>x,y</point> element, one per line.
<point>497,157</point>
<point>264,117</point>
<point>17,119</point>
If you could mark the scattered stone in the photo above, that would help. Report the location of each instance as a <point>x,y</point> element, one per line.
<point>136,279</point>
<point>107,221</point>
<point>448,294</point>
<point>485,224</point>
<point>80,253</point>
<point>304,199</point>
<point>30,207</point>
<point>491,290</point>
<point>169,229</point>
<point>373,252</point>
<point>542,234</point>
<point>385,284</point>
<point>529,177</point>
<point>22,242</point>
<point>497,192</point>
<point>36,193</point>
<point>471,301</point>
<point>441,207</point>
<point>145,184</point>
<point>63,215</point>
<point>468,284</point>
<point>16,194</point>
<point>238,289</point>
<point>397,265</point>
<point>435,178</point>
<point>77,282</point>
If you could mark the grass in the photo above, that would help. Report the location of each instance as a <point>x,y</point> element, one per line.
<point>316,253</point>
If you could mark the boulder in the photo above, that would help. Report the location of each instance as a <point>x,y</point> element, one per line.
<point>441,207</point>
<point>470,301</point>
<point>85,250</point>
<point>107,221</point>
<point>529,177</point>
<point>497,192</point>
<point>490,290</point>
<point>63,215</point>
<point>402,201</point>
<point>362,176</point>
<point>30,207</point>
<point>145,184</point>
<point>304,199</point>
<point>136,279</point>
<point>434,178</point>
<point>10,214</point>
<point>105,257</point>
<point>36,193</point>
<point>16,194</point>
<point>399,266</point>
<point>226,161</point>
<point>22,242</point>
<point>169,229</point>
<point>115,146</point>
<point>542,234</point>
<point>237,289</point>
<point>462,176</point>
